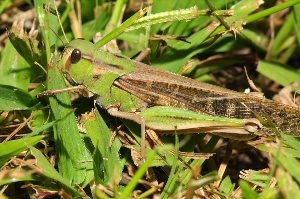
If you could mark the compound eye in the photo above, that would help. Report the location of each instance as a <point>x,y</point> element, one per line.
<point>75,56</point>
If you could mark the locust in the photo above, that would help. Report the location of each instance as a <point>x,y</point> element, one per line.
<point>167,102</point>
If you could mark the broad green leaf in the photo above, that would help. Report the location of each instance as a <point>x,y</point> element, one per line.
<point>107,162</point>
<point>227,186</point>
<point>12,98</point>
<point>26,47</point>
<point>74,158</point>
<point>14,70</point>
<point>257,177</point>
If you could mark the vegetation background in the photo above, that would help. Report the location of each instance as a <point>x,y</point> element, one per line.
<point>43,153</point>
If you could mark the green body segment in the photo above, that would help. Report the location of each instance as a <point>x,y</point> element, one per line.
<point>125,101</point>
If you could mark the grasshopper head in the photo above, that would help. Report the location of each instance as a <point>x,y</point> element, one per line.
<point>83,64</point>
<point>77,61</point>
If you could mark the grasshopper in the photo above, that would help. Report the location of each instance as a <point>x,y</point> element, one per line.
<point>165,102</point>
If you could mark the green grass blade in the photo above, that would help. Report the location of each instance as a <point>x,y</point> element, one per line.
<point>23,178</point>
<point>119,30</point>
<point>272,10</point>
<point>282,36</point>
<point>4,4</point>
<point>174,173</point>
<point>227,186</point>
<point>74,158</point>
<point>247,192</point>
<point>107,162</point>
<point>48,23</point>
<point>257,177</point>
<point>48,170</point>
<point>274,72</point>
<point>291,142</point>
<point>296,22</point>
<point>292,165</point>
<point>138,175</point>
<point>288,187</point>
<point>40,129</point>
<point>115,17</point>
<point>14,147</point>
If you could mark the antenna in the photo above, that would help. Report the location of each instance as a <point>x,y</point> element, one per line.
<point>58,17</point>
<point>58,36</point>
